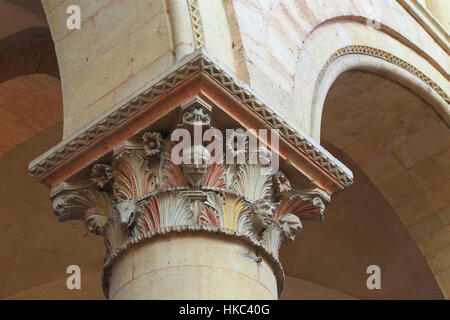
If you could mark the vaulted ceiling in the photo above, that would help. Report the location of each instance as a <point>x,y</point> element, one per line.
<point>30,91</point>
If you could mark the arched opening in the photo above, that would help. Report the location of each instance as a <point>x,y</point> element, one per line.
<point>398,145</point>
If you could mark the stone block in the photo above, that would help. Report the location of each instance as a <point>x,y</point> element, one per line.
<point>430,224</point>
<point>150,42</point>
<point>122,17</point>
<point>435,241</point>
<point>101,77</point>
<point>422,206</point>
<point>57,18</point>
<point>425,143</point>
<point>383,168</point>
<point>440,260</point>
<point>77,49</point>
<point>144,76</point>
<point>77,120</point>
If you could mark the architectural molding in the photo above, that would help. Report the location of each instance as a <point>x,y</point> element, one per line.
<point>386,56</point>
<point>426,19</point>
<point>199,64</point>
<point>196,23</point>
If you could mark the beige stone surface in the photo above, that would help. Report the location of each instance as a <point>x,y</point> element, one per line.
<point>98,59</point>
<point>424,205</point>
<point>437,132</point>
<point>279,48</point>
<point>441,10</point>
<point>403,146</point>
<point>132,16</point>
<point>435,240</point>
<point>192,266</point>
<point>56,12</point>
<point>72,57</point>
<point>57,290</point>
<point>440,260</point>
<point>37,248</point>
<point>181,28</point>
<point>92,83</point>
<point>429,225</point>
<point>145,46</point>
<point>217,31</point>
<point>287,38</point>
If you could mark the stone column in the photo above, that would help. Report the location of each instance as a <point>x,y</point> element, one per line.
<point>179,20</point>
<point>194,265</point>
<point>187,209</point>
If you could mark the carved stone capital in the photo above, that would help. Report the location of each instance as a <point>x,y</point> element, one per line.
<point>126,179</point>
<point>150,192</point>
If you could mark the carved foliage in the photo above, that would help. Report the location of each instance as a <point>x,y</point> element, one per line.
<point>133,178</point>
<point>152,143</point>
<point>96,209</point>
<point>167,209</point>
<point>150,192</point>
<point>301,206</point>
<point>196,117</point>
<point>76,204</point>
<point>229,209</point>
<point>172,174</point>
<point>251,183</point>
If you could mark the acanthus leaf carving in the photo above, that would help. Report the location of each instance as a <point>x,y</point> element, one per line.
<point>251,183</point>
<point>215,177</point>
<point>172,174</point>
<point>95,208</point>
<point>74,204</point>
<point>133,177</point>
<point>150,193</point>
<point>305,207</point>
<point>173,209</point>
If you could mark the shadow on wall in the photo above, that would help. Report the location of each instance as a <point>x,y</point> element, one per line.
<point>36,248</point>
<point>360,229</point>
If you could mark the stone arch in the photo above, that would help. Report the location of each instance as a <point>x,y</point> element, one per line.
<point>393,132</point>
<point>28,51</point>
<point>359,47</point>
<point>346,43</point>
<point>294,40</point>
<point>355,58</point>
